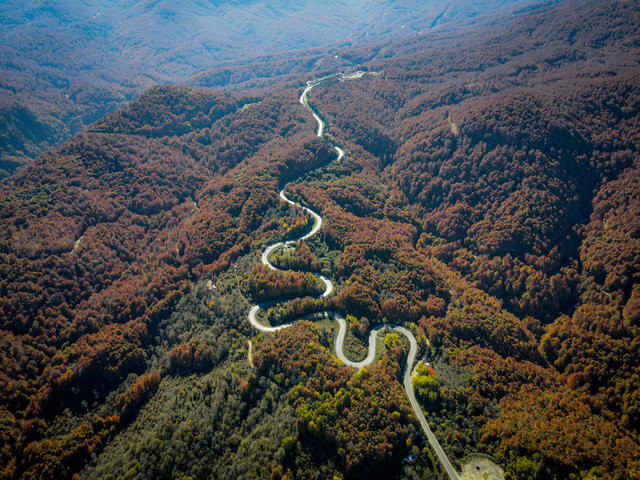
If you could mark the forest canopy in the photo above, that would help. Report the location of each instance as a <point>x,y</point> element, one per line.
<point>488,202</point>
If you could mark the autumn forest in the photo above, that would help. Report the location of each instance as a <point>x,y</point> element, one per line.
<point>488,202</point>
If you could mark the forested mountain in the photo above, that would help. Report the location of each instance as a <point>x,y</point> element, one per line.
<point>488,201</point>
<point>64,64</point>
<point>518,167</point>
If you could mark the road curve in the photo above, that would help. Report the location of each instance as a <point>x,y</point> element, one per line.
<point>304,101</point>
<point>408,387</point>
<point>342,323</point>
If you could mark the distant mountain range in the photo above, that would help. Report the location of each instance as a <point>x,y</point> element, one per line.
<point>64,64</point>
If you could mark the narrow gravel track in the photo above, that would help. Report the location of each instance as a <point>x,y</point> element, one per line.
<point>342,323</point>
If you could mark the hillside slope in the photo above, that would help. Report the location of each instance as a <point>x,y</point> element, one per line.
<point>518,165</point>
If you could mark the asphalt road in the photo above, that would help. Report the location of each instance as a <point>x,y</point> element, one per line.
<point>342,323</point>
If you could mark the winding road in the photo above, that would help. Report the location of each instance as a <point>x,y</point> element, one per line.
<point>339,344</point>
